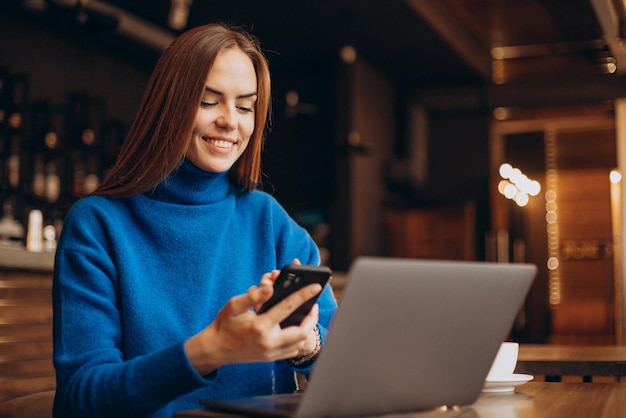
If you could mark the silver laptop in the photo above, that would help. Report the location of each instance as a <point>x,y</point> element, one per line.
<point>409,335</point>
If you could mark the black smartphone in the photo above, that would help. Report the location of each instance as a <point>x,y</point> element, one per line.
<point>291,278</point>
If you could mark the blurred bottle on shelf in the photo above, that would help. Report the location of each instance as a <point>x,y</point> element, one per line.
<point>49,238</point>
<point>47,137</point>
<point>51,154</point>
<point>54,140</point>
<point>113,133</point>
<point>15,131</point>
<point>11,230</point>
<point>14,150</point>
<point>34,236</point>
<point>85,115</point>
<point>40,123</point>
<point>4,109</point>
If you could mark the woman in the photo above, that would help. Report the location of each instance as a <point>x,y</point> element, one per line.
<point>156,281</point>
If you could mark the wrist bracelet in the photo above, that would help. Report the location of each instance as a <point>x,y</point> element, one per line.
<point>299,361</point>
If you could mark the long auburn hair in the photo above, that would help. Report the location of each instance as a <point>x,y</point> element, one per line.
<point>161,131</point>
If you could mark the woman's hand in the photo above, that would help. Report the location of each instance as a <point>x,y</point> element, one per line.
<point>238,334</point>
<point>268,279</point>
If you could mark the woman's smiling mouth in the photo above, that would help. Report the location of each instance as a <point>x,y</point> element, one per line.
<point>220,143</point>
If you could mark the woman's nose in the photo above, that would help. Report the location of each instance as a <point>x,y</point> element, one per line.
<point>227,118</point>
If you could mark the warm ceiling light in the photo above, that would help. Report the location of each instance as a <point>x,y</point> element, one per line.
<point>516,185</point>
<point>505,170</point>
<point>292,98</point>
<point>615,176</point>
<point>179,13</point>
<point>521,199</point>
<point>348,54</point>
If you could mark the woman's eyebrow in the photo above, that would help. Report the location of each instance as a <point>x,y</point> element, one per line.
<point>221,93</point>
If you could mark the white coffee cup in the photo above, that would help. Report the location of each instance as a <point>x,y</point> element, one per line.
<point>504,364</point>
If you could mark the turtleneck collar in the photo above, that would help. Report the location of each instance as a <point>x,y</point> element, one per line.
<point>190,185</point>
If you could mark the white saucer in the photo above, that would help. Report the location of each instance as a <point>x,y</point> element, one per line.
<point>506,384</point>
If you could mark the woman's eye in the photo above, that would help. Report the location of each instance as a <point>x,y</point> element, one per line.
<point>245,108</point>
<point>207,104</point>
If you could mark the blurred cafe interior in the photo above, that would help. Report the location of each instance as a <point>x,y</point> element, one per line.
<point>489,130</point>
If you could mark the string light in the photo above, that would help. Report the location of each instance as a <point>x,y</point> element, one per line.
<point>516,185</point>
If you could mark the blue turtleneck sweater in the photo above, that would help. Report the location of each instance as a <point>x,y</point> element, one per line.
<point>136,277</point>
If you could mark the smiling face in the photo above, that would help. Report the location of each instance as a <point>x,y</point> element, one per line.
<point>225,117</point>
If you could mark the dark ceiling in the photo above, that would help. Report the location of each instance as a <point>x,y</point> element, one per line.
<point>421,41</point>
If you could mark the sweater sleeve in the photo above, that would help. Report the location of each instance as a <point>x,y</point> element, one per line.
<point>93,376</point>
<point>295,242</point>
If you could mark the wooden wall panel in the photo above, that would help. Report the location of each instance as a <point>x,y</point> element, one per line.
<point>586,276</point>
<point>584,149</point>
<point>446,232</point>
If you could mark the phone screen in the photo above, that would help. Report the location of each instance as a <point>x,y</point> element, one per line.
<point>292,278</point>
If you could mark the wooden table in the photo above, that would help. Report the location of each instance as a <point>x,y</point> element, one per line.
<point>555,361</point>
<point>530,400</point>
<point>555,400</point>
